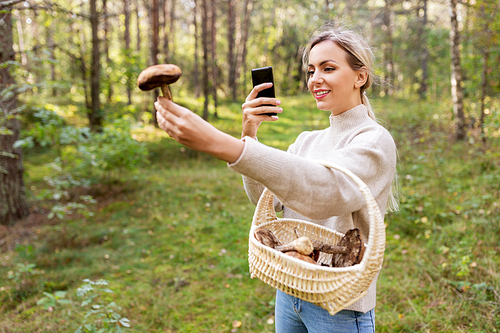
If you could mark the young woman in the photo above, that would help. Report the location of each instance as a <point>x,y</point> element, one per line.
<point>339,71</point>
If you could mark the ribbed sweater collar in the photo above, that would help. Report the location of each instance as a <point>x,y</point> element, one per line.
<point>348,120</point>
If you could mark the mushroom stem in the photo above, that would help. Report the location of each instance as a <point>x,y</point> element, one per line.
<point>326,248</point>
<point>332,249</point>
<point>303,245</point>
<point>300,256</point>
<point>166,91</point>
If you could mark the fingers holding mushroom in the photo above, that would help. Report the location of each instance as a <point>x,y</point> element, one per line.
<point>167,115</point>
<point>181,124</point>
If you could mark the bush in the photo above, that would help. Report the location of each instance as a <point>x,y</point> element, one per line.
<point>113,149</point>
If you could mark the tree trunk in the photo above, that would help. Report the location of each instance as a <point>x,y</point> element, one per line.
<point>106,49</point>
<point>165,31</point>
<point>155,40</point>
<point>13,204</point>
<point>456,75</point>
<point>375,88</point>
<point>484,92</point>
<point>196,71</point>
<point>155,25</point>
<point>388,50</point>
<point>126,33</point>
<point>485,50</point>
<point>213,40</point>
<point>138,26</point>
<point>37,63</point>
<point>22,47</point>
<point>242,54</point>
<point>231,19</point>
<point>128,51</point>
<point>95,114</point>
<point>83,68</point>
<point>205,41</point>
<point>171,30</point>
<point>299,77</point>
<point>425,52</point>
<point>51,49</point>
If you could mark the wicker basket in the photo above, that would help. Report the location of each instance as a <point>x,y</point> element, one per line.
<point>334,289</point>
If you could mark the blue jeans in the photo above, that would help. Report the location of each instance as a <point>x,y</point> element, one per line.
<point>293,315</point>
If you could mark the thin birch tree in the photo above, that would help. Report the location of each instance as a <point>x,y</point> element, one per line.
<point>456,74</point>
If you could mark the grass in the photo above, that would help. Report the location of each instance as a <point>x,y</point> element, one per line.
<point>172,237</point>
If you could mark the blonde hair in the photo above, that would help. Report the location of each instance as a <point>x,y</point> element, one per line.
<point>359,56</point>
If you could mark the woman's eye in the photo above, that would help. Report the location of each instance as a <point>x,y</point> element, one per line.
<point>329,69</point>
<point>310,73</point>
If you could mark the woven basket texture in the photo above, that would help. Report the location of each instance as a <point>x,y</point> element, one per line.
<point>332,288</point>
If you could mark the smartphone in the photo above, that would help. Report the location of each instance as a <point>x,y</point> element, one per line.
<point>263,75</point>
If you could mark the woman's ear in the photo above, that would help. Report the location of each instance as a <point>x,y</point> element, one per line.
<point>361,78</point>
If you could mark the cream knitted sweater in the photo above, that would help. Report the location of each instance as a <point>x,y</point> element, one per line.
<point>309,191</point>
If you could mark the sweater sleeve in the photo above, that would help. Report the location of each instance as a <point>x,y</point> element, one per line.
<point>254,190</point>
<point>316,191</point>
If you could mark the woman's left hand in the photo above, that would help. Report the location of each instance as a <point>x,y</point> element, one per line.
<point>193,132</point>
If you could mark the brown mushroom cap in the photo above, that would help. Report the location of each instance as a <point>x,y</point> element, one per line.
<point>266,237</point>
<point>158,75</point>
<point>355,249</point>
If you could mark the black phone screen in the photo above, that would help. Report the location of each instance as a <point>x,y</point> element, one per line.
<point>263,75</point>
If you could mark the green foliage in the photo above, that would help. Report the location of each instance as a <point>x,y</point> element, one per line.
<point>101,315</point>
<point>81,150</point>
<point>61,211</point>
<point>6,112</point>
<point>21,285</point>
<point>60,183</point>
<point>52,300</point>
<point>46,128</point>
<point>23,271</point>
<point>112,150</point>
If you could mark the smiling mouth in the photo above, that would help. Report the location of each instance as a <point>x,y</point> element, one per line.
<point>321,94</point>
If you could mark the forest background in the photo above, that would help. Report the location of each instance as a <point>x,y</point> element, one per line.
<point>107,224</point>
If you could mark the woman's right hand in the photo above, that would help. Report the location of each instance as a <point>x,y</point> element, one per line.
<point>253,110</point>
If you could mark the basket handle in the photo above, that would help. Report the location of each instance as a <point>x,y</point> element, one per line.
<point>265,212</point>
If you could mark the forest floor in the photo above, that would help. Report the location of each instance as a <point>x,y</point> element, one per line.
<point>171,237</point>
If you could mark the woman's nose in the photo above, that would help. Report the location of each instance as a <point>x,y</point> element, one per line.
<point>316,78</point>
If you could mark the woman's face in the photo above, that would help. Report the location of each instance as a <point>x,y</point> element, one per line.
<point>333,83</point>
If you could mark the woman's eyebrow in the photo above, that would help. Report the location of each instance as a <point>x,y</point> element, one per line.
<point>324,62</point>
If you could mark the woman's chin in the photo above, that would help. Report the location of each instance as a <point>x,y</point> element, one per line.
<point>322,106</point>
